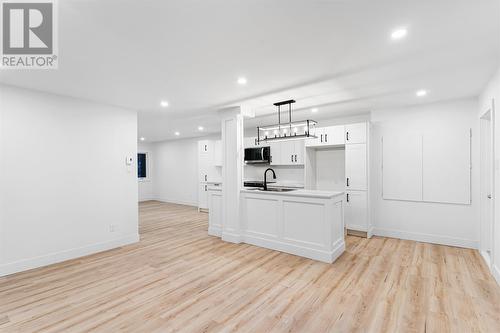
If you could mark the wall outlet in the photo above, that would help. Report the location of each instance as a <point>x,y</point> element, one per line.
<point>113,227</point>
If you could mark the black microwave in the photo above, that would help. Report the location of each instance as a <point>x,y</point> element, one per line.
<point>258,155</point>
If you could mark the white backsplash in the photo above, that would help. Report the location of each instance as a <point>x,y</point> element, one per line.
<point>284,174</point>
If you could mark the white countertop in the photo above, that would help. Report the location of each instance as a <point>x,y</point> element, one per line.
<point>298,193</point>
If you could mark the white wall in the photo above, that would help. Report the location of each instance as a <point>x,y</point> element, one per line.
<point>175,171</point>
<point>146,185</point>
<point>433,222</point>
<point>64,179</point>
<point>492,91</point>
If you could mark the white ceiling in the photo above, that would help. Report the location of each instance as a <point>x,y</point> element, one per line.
<point>332,54</point>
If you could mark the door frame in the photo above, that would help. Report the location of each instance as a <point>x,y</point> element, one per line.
<point>483,195</point>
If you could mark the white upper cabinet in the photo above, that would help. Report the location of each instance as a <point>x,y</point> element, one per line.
<point>204,146</point>
<point>355,133</point>
<point>327,136</point>
<point>287,152</point>
<point>275,153</point>
<point>300,152</point>
<point>333,135</point>
<point>218,153</point>
<point>250,142</point>
<point>356,167</point>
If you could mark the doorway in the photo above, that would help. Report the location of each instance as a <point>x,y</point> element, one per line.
<point>487,165</point>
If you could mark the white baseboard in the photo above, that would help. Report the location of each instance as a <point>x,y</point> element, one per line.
<point>231,237</point>
<point>315,254</point>
<point>147,199</point>
<point>486,258</point>
<point>178,202</point>
<point>496,273</point>
<point>215,231</point>
<point>52,258</point>
<point>427,238</point>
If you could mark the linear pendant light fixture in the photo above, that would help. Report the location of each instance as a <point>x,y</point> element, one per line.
<point>298,130</point>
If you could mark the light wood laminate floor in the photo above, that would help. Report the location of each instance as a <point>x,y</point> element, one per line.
<point>179,279</point>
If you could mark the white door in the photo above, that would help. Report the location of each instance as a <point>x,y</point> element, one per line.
<point>486,185</point>
<point>355,133</point>
<point>203,196</point>
<point>356,210</point>
<point>355,167</point>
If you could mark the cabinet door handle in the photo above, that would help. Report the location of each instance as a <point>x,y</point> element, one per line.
<point>295,158</point>
<point>292,157</point>
<point>205,177</point>
<point>347,181</point>
<point>205,147</point>
<point>270,159</point>
<point>205,188</point>
<point>346,136</point>
<point>347,197</point>
<point>321,137</point>
<point>326,137</point>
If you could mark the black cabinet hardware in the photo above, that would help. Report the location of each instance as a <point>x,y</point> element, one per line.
<point>295,158</point>
<point>326,137</point>
<point>347,181</point>
<point>346,136</point>
<point>347,197</point>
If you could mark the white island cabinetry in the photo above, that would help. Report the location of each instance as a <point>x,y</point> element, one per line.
<point>305,223</point>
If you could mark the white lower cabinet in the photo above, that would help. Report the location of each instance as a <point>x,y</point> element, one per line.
<point>203,196</point>
<point>356,211</point>
<point>215,212</point>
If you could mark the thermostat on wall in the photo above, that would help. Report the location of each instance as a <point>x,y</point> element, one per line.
<point>129,160</point>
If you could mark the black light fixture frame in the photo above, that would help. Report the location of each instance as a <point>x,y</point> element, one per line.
<point>292,135</point>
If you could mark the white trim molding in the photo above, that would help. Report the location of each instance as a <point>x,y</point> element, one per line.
<point>57,257</point>
<point>496,273</point>
<point>178,202</point>
<point>426,238</point>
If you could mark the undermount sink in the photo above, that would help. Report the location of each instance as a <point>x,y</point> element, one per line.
<point>277,189</point>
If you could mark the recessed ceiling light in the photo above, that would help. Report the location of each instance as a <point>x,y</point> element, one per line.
<point>314,110</point>
<point>421,93</point>
<point>142,138</point>
<point>200,128</point>
<point>399,33</point>
<point>164,104</point>
<point>242,80</point>
<point>177,133</point>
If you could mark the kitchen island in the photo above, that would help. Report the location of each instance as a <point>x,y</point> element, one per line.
<point>306,223</point>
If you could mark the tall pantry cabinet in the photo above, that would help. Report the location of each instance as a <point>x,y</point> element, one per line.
<point>356,173</point>
<point>209,169</point>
